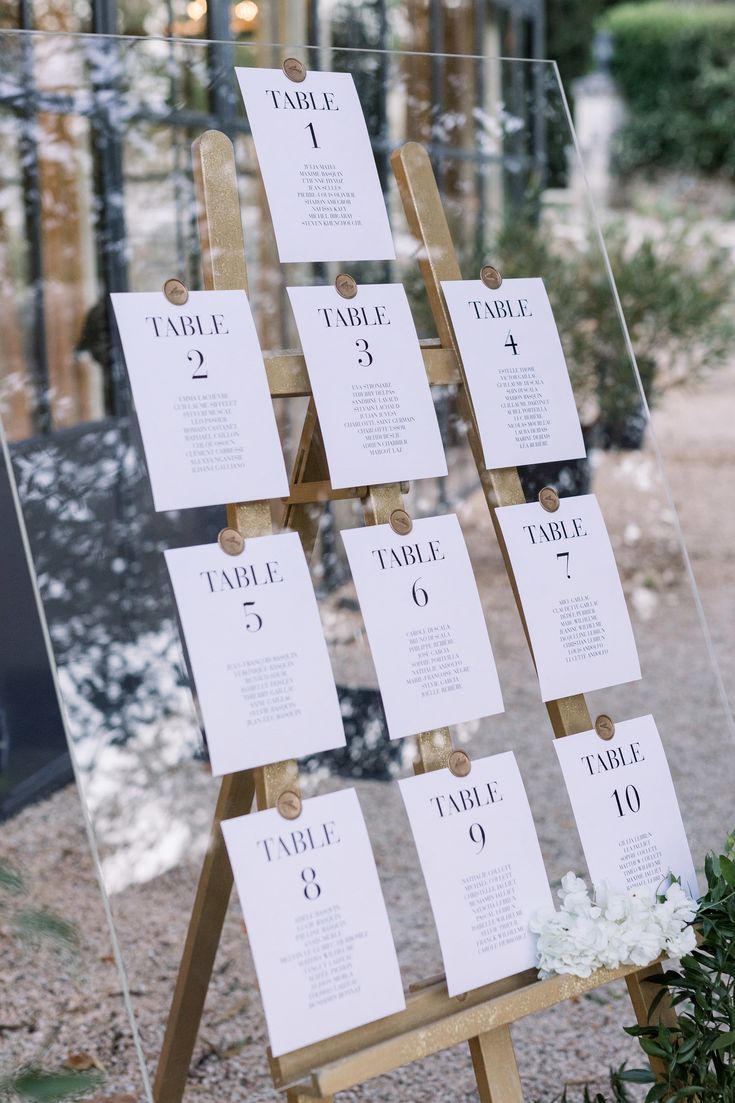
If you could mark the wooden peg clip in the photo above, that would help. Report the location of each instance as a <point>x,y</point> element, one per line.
<point>294,69</point>
<point>491,277</point>
<point>231,541</point>
<point>604,726</point>
<point>289,804</point>
<point>176,291</point>
<point>400,522</point>
<point>549,499</point>
<point>346,285</point>
<point>459,763</point>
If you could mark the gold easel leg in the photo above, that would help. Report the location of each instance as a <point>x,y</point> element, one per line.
<point>310,465</point>
<point>293,1096</point>
<point>642,994</point>
<point>202,939</point>
<point>496,1070</point>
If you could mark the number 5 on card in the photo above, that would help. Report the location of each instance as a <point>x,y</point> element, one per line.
<point>257,652</point>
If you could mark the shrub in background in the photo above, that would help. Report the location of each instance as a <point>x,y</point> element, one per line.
<point>675,64</point>
<point>675,290</point>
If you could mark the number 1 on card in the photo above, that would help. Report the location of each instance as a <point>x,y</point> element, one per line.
<point>310,128</point>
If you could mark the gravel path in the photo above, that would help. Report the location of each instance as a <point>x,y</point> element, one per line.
<point>52,1005</point>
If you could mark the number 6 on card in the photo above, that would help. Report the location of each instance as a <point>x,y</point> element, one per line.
<point>425,624</point>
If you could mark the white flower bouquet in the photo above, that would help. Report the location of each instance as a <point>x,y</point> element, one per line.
<point>611,928</point>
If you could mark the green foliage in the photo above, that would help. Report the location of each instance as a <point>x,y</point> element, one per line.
<point>11,880</point>
<point>675,64</point>
<point>696,1055</point>
<point>570,31</point>
<point>675,291</point>
<point>35,928</point>
<point>39,1086</point>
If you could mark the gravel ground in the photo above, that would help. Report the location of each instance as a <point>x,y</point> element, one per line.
<point>54,1004</point>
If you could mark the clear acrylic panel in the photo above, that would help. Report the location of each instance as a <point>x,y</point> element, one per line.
<point>97,196</point>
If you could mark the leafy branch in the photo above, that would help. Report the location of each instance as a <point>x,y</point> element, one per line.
<point>696,1054</point>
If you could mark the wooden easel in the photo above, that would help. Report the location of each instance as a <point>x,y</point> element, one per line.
<point>432,1021</point>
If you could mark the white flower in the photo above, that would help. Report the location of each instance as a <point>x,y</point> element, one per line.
<point>684,943</point>
<point>616,928</point>
<point>573,894</point>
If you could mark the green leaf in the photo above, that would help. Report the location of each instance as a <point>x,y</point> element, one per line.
<point>637,1076</point>
<point>11,880</point>
<point>658,1091</point>
<point>727,868</point>
<point>34,925</point>
<point>48,1087</point>
<point>725,1040</point>
<point>653,1049</point>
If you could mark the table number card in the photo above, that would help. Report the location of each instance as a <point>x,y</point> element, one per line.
<point>483,868</point>
<point>316,919</point>
<point>257,652</point>
<point>202,398</point>
<point>318,167</point>
<point>516,372</point>
<point>369,384</point>
<point>425,624</point>
<point>626,808</point>
<point>571,594</point>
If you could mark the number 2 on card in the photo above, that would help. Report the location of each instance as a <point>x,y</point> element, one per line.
<point>198,372</point>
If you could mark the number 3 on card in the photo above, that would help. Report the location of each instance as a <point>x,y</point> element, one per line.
<point>362,346</point>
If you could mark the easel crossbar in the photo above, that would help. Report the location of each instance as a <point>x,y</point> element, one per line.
<point>432,1021</point>
<point>288,377</point>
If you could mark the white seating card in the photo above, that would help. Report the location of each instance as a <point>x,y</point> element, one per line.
<point>516,372</point>
<point>257,652</point>
<point>483,868</point>
<point>626,808</point>
<point>425,624</point>
<point>318,167</point>
<point>571,594</point>
<point>317,923</point>
<point>202,398</point>
<point>369,384</point>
